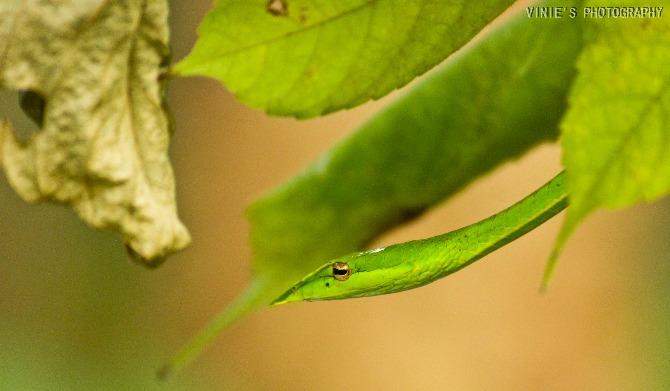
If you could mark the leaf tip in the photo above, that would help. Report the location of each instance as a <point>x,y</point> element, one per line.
<point>549,268</point>
<point>567,229</point>
<point>151,263</point>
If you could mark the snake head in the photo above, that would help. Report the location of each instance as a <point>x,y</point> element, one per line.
<point>366,273</point>
<point>323,284</point>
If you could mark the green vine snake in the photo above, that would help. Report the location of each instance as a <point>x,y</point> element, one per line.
<point>407,265</point>
<point>413,264</point>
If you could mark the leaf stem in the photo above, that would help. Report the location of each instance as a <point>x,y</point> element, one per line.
<point>251,299</point>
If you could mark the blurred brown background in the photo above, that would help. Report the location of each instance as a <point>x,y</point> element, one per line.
<point>76,315</point>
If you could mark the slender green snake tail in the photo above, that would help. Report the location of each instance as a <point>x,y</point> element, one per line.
<point>412,264</point>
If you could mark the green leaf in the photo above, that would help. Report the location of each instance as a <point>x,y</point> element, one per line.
<point>616,135</point>
<point>102,147</point>
<point>492,102</point>
<point>305,58</point>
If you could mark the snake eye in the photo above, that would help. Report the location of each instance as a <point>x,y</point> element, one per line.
<point>341,271</point>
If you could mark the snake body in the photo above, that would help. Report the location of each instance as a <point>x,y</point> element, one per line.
<point>412,264</point>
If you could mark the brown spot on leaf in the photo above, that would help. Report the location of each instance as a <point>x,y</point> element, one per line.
<point>302,15</point>
<point>277,7</point>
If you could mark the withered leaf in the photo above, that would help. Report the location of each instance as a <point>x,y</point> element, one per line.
<point>103,143</point>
